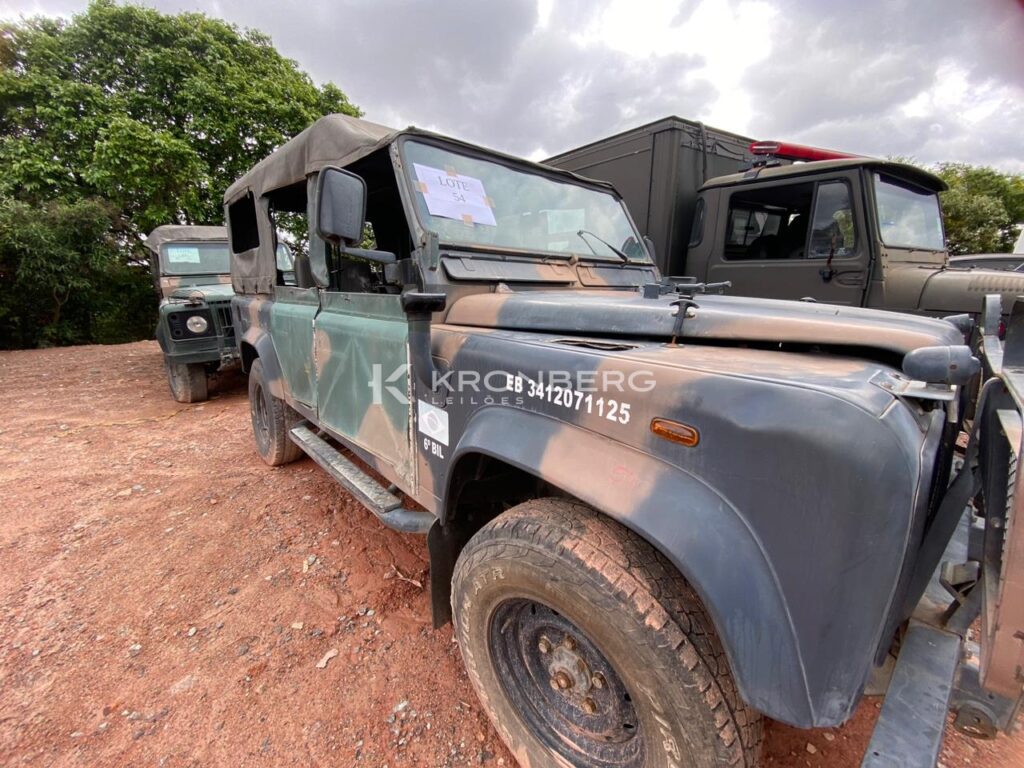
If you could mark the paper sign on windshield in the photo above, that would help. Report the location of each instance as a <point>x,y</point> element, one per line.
<point>454,196</point>
<point>183,254</point>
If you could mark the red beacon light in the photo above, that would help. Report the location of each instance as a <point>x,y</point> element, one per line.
<point>796,152</point>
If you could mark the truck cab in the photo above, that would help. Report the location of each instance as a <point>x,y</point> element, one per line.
<point>847,231</point>
<point>787,221</point>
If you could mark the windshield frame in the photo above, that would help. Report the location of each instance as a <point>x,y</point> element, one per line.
<point>403,172</point>
<point>165,270</point>
<point>878,176</point>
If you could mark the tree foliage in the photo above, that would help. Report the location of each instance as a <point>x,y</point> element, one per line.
<point>982,208</point>
<point>145,116</point>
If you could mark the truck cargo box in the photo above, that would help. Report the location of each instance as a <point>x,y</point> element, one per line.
<point>658,168</point>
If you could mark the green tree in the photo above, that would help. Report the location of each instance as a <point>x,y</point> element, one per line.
<point>982,208</point>
<point>149,116</point>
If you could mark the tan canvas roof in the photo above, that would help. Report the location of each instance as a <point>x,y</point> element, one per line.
<point>337,140</point>
<point>177,233</point>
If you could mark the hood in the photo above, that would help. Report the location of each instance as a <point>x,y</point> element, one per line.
<point>720,318</point>
<point>210,293</point>
<point>953,290</point>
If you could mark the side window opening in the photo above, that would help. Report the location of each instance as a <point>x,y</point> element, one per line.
<point>385,229</point>
<point>697,229</point>
<point>290,220</point>
<point>832,229</point>
<point>768,222</point>
<point>244,233</point>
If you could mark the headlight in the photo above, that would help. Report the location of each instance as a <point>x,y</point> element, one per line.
<point>197,324</point>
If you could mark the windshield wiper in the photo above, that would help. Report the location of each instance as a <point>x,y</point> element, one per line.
<point>611,247</point>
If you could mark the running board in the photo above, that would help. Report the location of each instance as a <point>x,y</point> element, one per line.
<point>913,718</point>
<point>371,494</point>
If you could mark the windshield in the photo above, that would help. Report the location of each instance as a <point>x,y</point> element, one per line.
<point>196,259</point>
<point>908,216</point>
<point>471,201</point>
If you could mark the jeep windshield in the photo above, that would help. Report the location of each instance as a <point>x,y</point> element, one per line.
<point>485,204</point>
<point>908,216</point>
<point>196,259</point>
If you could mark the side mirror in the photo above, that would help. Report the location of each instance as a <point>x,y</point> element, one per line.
<point>340,206</point>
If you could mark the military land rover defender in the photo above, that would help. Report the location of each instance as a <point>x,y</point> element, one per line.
<point>190,267</point>
<point>655,515</point>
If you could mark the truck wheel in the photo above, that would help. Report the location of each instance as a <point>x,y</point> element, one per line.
<point>587,648</point>
<point>271,420</point>
<point>187,381</point>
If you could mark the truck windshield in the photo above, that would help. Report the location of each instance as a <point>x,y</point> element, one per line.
<point>196,259</point>
<point>908,216</point>
<point>470,201</point>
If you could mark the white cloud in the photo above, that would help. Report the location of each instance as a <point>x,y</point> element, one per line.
<point>938,81</point>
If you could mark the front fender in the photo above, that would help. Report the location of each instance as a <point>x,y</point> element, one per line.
<point>257,343</point>
<point>690,523</point>
<point>952,291</point>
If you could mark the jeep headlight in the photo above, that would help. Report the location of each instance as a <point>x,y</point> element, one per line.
<point>197,324</point>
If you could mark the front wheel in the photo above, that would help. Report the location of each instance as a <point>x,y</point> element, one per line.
<point>272,419</point>
<point>587,648</point>
<point>187,382</point>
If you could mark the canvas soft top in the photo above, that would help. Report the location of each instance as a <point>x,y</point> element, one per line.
<point>334,140</point>
<point>183,233</point>
<point>342,140</point>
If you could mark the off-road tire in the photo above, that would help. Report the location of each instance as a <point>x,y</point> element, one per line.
<point>271,420</point>
<point>187,381</point>
<point>631,605</point>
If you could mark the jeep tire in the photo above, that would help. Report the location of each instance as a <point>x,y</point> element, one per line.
<point>187,381</point>
<point>587,648</point>
<point>272,419</point>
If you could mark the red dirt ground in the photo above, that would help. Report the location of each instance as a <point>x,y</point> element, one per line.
<point>166,596</point>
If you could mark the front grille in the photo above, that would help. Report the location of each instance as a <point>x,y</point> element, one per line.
<point>223,311</point>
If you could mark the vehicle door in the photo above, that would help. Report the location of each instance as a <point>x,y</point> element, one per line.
<point>295,306</point>
<point>793,240</point>
<point>361,351</point>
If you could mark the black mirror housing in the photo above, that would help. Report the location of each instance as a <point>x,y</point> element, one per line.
<point>341,206</point>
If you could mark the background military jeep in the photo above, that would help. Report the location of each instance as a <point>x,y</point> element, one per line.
<point>191,276</point>
<point>655,515</point>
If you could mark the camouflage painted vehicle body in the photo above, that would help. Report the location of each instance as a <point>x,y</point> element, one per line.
<point>190,276</point>
<point>787,459</point>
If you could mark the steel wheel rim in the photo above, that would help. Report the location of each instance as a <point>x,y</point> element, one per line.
<point>260,415</point>
<point>563,687</point>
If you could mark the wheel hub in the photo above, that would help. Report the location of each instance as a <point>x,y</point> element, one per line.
<point>565,688</point>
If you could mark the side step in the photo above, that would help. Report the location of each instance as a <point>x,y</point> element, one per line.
<point>913,718</point>
<point>384,504</point>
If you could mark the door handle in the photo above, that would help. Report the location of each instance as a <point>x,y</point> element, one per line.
<point>851,277</point>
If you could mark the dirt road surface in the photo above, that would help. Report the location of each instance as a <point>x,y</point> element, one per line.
<point>166,599</point>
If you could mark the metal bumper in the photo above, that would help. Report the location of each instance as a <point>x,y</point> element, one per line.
<point>913,717</point>
<point>981,574</point>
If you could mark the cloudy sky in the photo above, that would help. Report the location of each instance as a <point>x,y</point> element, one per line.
<point>938,80</point>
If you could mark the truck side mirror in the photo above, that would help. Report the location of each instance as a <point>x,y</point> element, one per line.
<point>340,206</point>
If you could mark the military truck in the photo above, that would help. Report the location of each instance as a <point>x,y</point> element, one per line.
<point>786,221</point>
<point>190,268</point>
<point>656,516</point>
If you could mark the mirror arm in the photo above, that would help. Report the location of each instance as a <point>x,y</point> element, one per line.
<point>419,307</point>
<point>381,257</point>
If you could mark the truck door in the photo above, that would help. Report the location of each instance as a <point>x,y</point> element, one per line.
<point>361,353</point>
<point>291,328</point>
<point>361,339</point>
<point>793,240</point>
<point>294,306</point>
